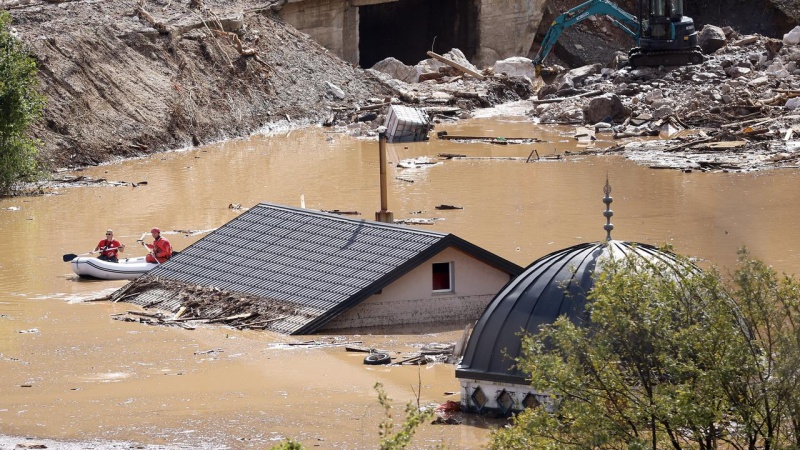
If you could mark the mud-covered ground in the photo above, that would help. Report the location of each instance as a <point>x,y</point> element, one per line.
<point>736,111</point>
<point>127,78</point>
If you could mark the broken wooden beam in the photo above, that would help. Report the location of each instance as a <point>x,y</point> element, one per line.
<point>230,318</point>
<point>561,99</point>
<point>458,66</point>
<point>451,137</point>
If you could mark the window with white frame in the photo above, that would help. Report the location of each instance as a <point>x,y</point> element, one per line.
<point>443,277</point>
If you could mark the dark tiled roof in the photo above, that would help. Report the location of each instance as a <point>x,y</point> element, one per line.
<point>322,264</point>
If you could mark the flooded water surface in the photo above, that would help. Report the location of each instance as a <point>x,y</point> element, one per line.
<point>70,371</point>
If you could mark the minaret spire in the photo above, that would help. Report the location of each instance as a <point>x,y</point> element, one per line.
<point>608,212</point>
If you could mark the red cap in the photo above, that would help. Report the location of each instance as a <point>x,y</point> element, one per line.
<point>156,230</point>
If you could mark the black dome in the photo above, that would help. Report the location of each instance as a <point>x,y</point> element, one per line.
<point>554,285</point>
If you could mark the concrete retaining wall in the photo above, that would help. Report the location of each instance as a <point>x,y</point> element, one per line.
<point>505,27</point>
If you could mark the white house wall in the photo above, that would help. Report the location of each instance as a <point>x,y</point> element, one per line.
<point>410,299</point>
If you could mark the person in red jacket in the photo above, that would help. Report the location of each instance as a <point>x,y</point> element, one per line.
<point>109,247</point>
<point>160,249</point>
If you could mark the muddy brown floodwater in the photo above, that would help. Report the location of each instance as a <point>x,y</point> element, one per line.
<point>70,372</point>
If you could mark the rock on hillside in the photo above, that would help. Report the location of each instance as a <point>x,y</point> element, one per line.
<point>123,80</point>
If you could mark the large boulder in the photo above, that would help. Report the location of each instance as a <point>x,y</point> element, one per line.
<point>711,39</point>
<point>792,37</point>
<point>516,66</point>
<point>600,108</point>
<point>576,77</point>
<point>397,70</point>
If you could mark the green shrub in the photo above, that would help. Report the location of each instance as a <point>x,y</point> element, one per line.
<point>20,106</point>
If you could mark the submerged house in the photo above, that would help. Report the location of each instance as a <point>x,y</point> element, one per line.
<point>552,286</point>
<point>300,271</point>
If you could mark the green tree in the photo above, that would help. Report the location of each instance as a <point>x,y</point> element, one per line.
<point>20,106</point>
<point>415,416</point>
<point>668,359</point>
<point>768,402</point>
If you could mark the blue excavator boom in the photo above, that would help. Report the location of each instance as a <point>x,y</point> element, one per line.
<point>664,37</point>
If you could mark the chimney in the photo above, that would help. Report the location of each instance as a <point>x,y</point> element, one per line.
<point>384,215</point>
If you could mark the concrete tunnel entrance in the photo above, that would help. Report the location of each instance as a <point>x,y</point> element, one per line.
<point>407,29</point>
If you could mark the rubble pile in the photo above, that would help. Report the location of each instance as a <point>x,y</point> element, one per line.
<point>738,110</point>
<point>443,91</point>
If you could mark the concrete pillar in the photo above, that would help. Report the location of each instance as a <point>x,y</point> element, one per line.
<point>507,28</point>
<point>350,35</point>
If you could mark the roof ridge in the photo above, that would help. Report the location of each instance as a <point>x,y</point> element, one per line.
<point>371,223</point>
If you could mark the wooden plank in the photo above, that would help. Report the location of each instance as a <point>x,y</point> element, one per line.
<point>561,99</point>
<point>229,318</point>
<point>370,2</point>
<point>726,144</point>
<point>458,66</point>
<point>450,137</point>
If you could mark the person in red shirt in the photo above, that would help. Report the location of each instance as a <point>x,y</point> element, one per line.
<point>109,247</point>
<point>160,249</point>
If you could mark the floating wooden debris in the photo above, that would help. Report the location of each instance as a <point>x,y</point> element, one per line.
<point>584,134</point>
<point>451,155</point>
<point>419,221</point>
<point>494,139</point>
<point>332,342</point>
<point>417,163</point>
<point>449,207</point>
<point>340,212</point>
<point>495,158</point>
<point>193,232</point>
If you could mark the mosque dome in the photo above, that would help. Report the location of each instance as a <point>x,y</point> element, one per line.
<point>554,285</point>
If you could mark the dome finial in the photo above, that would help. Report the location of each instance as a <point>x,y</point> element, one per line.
<point>608,212</point>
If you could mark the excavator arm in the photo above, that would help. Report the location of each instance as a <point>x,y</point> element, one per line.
<point>624,20</point>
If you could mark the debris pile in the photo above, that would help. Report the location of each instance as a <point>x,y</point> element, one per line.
<point>735,111</point>
<point>446,87</point>
<point>183,305</point>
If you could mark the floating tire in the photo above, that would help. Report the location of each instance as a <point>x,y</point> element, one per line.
<point>374,359</point>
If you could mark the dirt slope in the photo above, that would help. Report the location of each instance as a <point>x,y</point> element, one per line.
<point>125,78</point>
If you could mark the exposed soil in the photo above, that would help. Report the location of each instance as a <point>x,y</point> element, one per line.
<point>127,78</point>
<point>124,80</point>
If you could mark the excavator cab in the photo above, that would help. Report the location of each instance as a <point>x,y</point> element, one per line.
<point>664,36</point>
<point>667,36</point>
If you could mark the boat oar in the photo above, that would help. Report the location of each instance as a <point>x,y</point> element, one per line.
<point>150,252</point>
<point>70,256</point>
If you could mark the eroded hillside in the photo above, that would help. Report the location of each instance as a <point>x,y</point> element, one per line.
<point>130,78</point>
